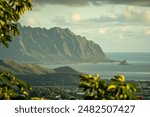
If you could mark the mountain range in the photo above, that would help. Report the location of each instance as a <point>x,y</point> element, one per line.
<point>51,46</point>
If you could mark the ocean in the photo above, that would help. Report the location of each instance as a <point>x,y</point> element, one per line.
<point>138,68</point>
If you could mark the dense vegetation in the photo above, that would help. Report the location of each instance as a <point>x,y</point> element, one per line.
<point>116,89</point>
<point>13,88</point>
<point>10,12</point>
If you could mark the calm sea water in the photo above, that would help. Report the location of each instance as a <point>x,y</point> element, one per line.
<point>138,68</point>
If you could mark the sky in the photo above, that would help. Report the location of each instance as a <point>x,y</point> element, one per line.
<point>116,25</point>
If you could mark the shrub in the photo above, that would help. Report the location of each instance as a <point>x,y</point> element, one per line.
<point>12,88</point>
<point>116,89</point>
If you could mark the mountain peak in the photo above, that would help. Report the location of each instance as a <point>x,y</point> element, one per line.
<point>62,31</point>
<point>66,69</point>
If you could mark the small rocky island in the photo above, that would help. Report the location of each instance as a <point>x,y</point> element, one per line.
<point>124,62</point>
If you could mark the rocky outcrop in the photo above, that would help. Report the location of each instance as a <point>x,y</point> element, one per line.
<point>124,62</point>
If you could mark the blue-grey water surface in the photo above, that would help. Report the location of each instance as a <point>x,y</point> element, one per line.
<point>138,68</point>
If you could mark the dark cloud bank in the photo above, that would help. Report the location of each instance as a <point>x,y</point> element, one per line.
<point>75,3</point>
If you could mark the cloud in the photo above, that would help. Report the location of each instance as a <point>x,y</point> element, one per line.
<point>74,3</point>
<point>72,19</point>
<point>125,2</point>
<point>130,15</point>
<point>100,19</point>
<point>59,20</point>
<point>147,32</point>
<point>125,28</point>
<point>104,20</point>
<point>120,38</point>
<point>30,21</point>
<point>94,2</point>
<point>147,16</point>
<point>75,18</point>
<point>102,30</point>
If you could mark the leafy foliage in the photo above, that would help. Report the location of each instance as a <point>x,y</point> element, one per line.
<point>116,89</point>
<point>10,12</point>
<point>13,88</point>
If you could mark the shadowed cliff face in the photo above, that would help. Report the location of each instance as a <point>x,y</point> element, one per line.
<point>55,45</point>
